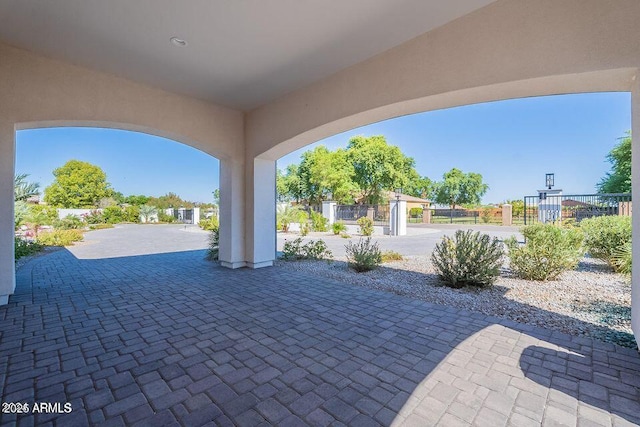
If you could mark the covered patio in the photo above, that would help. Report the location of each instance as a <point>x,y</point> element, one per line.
<point>161,338</point>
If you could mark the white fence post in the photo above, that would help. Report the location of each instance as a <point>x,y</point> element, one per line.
<point>398,217</point>
<point>329,211</point>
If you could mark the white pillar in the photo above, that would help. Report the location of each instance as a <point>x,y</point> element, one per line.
<point>260,199</point>
<point>7,227</point>
<point>232,215</point>
<point>398,217</point>
<point>196,216</point>
<point>329,211</point>
<point>635,189</point>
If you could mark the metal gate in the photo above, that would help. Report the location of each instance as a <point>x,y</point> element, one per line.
<point>184,216</point>
<point>552,208</point>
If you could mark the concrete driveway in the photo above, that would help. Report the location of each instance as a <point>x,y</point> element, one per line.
<point>162,337</point>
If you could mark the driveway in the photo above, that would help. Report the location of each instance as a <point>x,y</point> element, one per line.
<point>167,338</point>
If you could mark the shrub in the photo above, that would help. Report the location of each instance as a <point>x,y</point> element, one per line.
<point>60,237</point>
<point>318,222</point>
<point>621,259</point>
<point>113,214</point>
<point>468,258</point>
<point>364,255</point>
<point>214,244</point>
<point>549,250</point>
<point>285,215</point>
<point>345,235</point>
<point>94,217</point>
<point>304,228</point>
<point>25,247</point>
<point>69,222</point>
<point>485,216</point>
<point>388,256</point>
<point>605,235</point>
<point>131,214</point>
<point>209,224</point>
<point>415,212</point>
<point>100,226</point>
<point>165,217</point>
<point>338,227</point>
<point>295,250</point>
<point>366,226</point>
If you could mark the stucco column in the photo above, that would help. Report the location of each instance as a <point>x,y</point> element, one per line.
<point>329,211</point>
<point>7,172</point>
<point>398,217</point>
<point>635,189</point>
<point>232,215</point>
<point>260,199</point>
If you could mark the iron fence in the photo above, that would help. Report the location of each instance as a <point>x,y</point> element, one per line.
<point>574,206</point>
<point>451,216</point>
<point>349,214</point>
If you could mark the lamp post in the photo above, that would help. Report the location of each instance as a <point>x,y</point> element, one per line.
<point>549,179</point>
<point>398,192</point>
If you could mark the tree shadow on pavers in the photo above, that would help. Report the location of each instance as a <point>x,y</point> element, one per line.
<point>190,343</point>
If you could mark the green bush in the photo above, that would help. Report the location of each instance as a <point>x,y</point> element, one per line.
<point>210,224</point>
<point>388,256</point>
<point>25,247</point>
<point>469,258</point>
<point>60,237</point>
<point>621,259</point>
<point>318,222</point>
<point>100,226</point>
<point>338,227</point>
<point>485,216</point>
<point>364,255</point>
<point>113,214</point>
<point>214,244</point>
<point>94,217</point>
<point>285,215</point>
<point>366,226</point>
<point>549,250</point>
<point>131,214</point>
<point>605,235</point>
<point>295,250</point>
<point>166,218</point>
<point>415,212</point>
<point>69,222</point>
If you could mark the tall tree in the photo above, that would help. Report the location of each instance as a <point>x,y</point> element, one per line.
<point>618,180</point>
<point>378,166</point>
<point>418,186</point>
<point>289,185</point>
<point>77,184</point>
<point>22,189</point>
<point>457,188</point>
<point>326,174</point>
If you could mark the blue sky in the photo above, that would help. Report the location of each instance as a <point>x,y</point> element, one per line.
<point>511,143</point>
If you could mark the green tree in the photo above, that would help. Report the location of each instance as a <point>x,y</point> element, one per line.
<point>77,184</point>
<point>517,207</point>
<point>289,185</point>
<point>134,200</point>
<point>378,166</point>
<point>325,174</point>
<point>147,212</point>
<point>22,189</point>
<point>618,180</point>
<point>216,196</point>
<point>459,188</point>
<point>418,186</point>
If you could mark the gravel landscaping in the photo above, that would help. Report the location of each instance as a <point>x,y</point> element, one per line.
<point>591,301</point>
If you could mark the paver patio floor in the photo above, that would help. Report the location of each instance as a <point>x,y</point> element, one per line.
<point>171,339</point>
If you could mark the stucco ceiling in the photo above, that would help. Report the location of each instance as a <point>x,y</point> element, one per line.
<point>240,53</point>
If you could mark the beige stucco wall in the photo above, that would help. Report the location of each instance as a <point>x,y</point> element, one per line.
<point>509,49</point>
<point>39,92</point>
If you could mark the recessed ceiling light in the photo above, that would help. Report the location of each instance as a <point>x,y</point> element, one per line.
<point>178,42</point>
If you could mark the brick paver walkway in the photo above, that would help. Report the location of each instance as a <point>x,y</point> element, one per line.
<point>171,339</point>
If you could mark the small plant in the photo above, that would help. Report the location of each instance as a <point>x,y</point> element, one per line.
<point>605,235</point>
<point>60,237</point>
<point>295,250</point>
<point>364,255</point>
<point>338,227</point>
<point>366,226</point>
<point>485,216</point>
<point>345,235</point>
<point>25,247</point>
<point>162,217</point>
<point>214,245</point>
<point>621,259</point>
<point>100,226</point>
<point>209,224</point>
<point>549,251</point>
<point>318,222</point>
<point>388,256</point>
<point>468,258</point>
<point>69,222</point>
<point>304,228</point>
<point>94,217</point>
<point>287,214</point>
